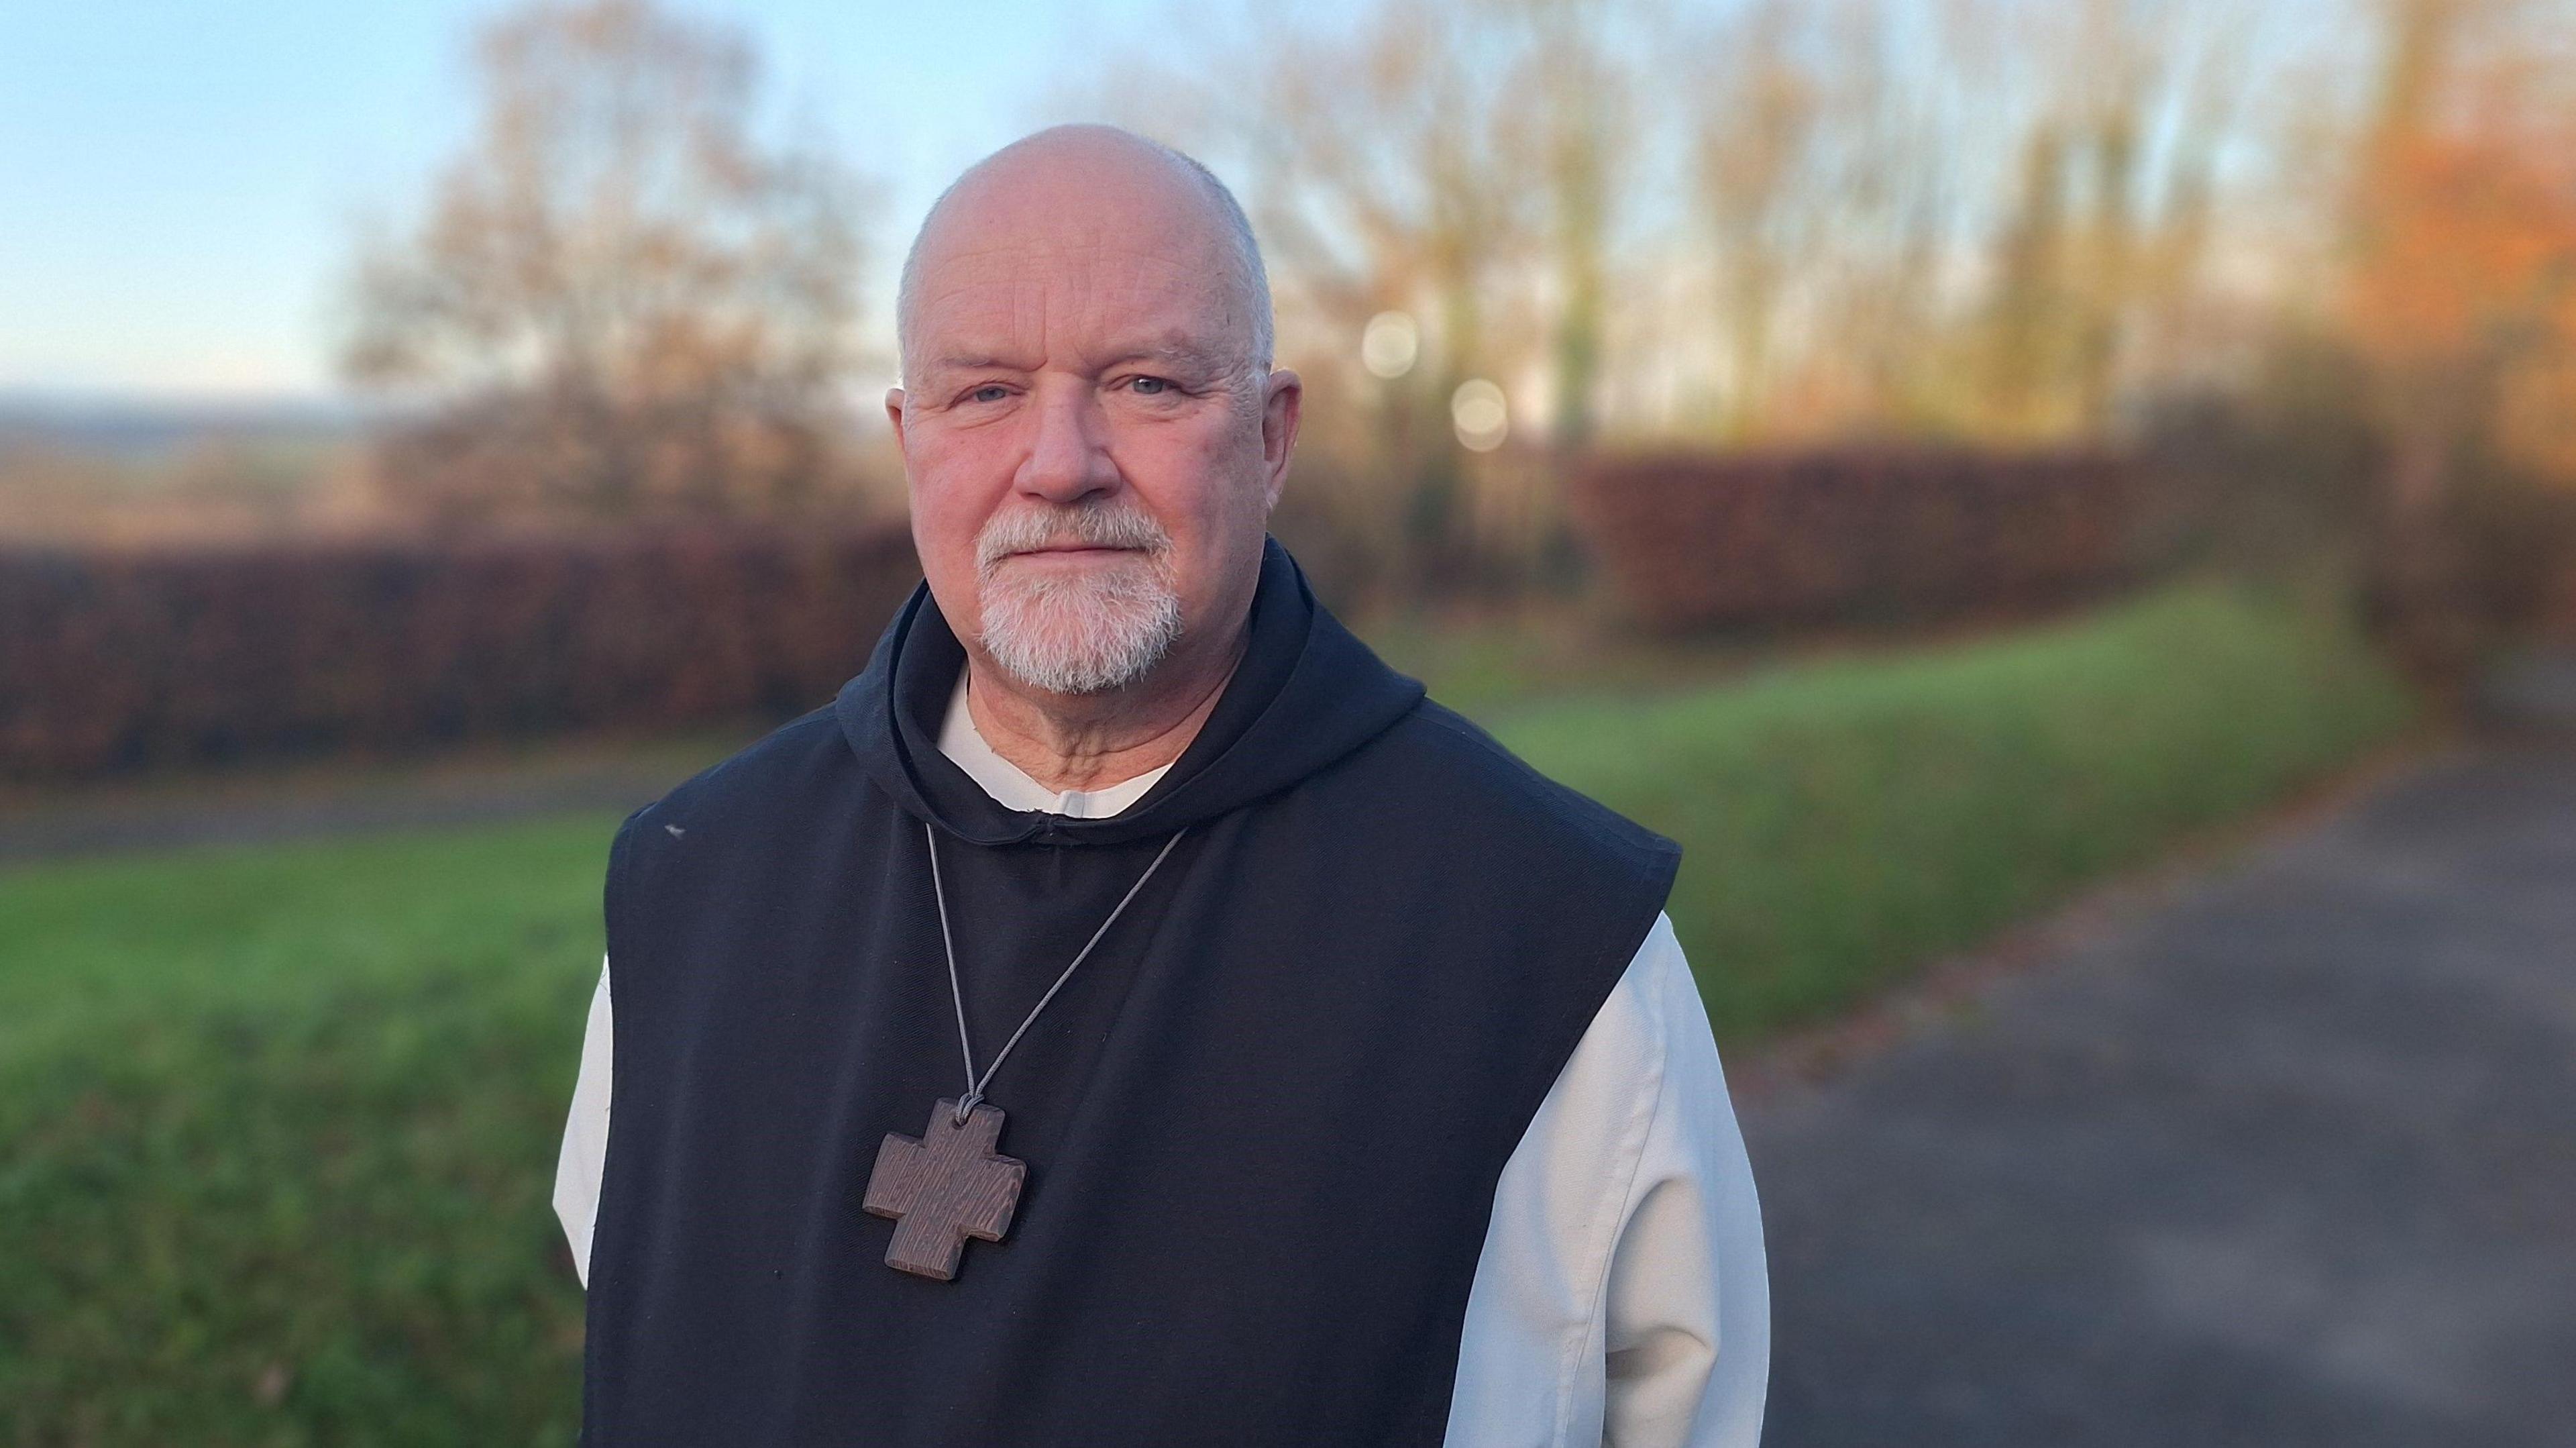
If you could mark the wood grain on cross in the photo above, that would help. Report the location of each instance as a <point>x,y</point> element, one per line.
<point>944,1187</point>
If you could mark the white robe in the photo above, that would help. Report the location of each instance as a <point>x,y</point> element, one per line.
<point>1621,1297</point>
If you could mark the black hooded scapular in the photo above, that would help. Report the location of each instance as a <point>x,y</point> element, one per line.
<point>1262,1125</point>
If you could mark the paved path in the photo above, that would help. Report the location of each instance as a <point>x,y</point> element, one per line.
<point>2287,1157</point>
<point>295,803</point>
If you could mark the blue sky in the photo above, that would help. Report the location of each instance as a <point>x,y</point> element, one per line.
<point>180,182</point>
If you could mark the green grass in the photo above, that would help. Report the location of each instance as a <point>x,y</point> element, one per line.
<point>289,1115</point>
<point>277,1126</point>
<point>1842,821</point>
<point>1490,664</point>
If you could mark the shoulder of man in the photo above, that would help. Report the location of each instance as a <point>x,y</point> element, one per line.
<point>1449,766</point>
<point>791,757</point>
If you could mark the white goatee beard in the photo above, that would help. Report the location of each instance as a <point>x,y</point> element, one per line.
<point>1085,631</point>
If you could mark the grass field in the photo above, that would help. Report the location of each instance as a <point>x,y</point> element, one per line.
<point>1844,821</point>
<point>274,1139</point>
<point>277,1126</point>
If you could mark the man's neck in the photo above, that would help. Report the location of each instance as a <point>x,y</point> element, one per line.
<point>1093,741</point>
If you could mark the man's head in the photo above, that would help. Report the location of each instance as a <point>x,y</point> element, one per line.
<point>1091,428</point>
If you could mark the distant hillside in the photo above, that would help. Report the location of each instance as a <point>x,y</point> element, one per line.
<point>130,428</point>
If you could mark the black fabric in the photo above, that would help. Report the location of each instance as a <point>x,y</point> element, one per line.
<point>1263,1124</point>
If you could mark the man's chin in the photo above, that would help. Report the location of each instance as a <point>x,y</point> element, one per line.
<point>1070,644</point>
<point>1078,669</point>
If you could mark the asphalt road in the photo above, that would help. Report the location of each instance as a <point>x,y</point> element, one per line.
<point>2286,1156</point>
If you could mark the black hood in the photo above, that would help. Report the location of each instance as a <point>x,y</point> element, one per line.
<point>1306,693</point>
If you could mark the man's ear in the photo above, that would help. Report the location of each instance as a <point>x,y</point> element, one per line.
<point>894,414</point>
<point>1283,397</point>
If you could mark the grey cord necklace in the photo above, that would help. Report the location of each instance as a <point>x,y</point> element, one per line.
<point>948,943</point>
<point>949,1184</point>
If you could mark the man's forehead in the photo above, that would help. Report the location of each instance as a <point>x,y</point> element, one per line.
<point>1080,245</point>
<point>999,303</point>
<point>1083,257</point>
<point>1075,187</point>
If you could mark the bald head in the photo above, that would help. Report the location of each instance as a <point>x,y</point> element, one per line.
<point>1097,187</point>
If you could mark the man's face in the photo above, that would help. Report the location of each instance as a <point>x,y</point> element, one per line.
<point>1091,459</point>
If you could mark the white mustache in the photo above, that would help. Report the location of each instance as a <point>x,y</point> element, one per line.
<point>1088,525</point>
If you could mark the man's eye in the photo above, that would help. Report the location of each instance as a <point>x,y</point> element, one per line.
<point>989,392</point>
<point>1152,386</point>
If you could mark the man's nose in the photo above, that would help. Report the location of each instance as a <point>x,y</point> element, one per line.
<point>1068,457</point>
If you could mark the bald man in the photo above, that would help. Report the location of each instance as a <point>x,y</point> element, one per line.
<point>1130,1013</point>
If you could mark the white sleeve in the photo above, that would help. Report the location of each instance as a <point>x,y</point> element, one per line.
<point>1687,1332</point>
<point>585,1138</point>
<point>1621,1296</point>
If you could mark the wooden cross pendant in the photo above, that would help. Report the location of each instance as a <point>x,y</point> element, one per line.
<point>943,1188</point>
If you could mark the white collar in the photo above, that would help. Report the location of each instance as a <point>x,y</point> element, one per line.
<point>964,745</point>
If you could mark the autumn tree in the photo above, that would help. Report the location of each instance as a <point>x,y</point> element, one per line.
<point>2462,288</point>
<point>618,300</point>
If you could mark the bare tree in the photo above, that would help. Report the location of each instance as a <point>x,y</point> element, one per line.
<point>2112,218</point>
<point>618,299</point>
<point>1755,127</point>
<point>1974,216</point>
<point>1570,121</point>
<point>1827,174</point>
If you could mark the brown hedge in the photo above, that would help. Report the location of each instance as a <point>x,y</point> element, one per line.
<point>1696,539</point>
<point>117,660</point>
